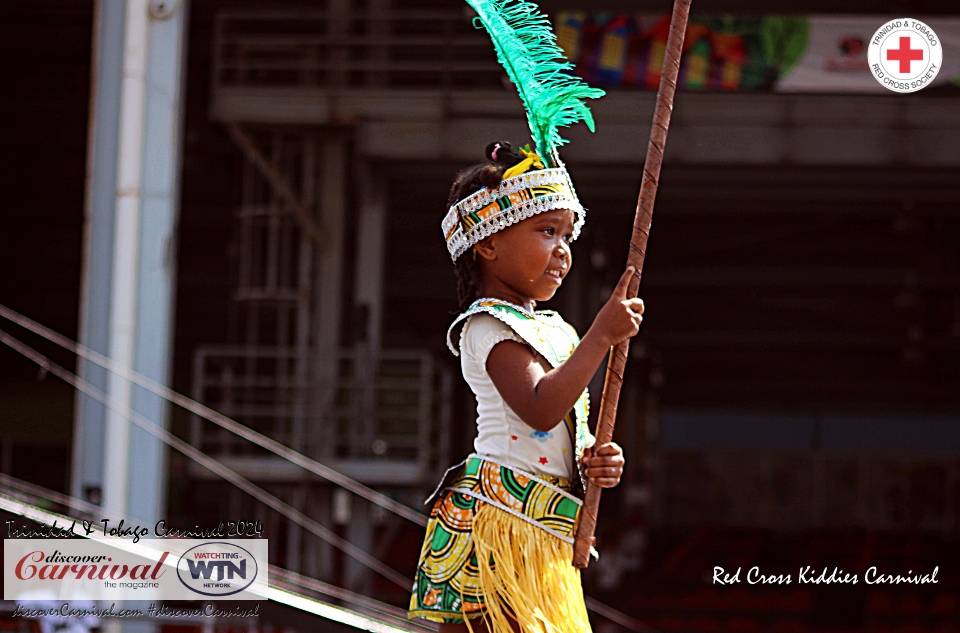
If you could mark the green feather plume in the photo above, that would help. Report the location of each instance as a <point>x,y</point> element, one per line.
<point>527,49</point>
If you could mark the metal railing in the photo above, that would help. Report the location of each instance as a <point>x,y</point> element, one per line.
<point>395,408</point>
<point>337,49</point>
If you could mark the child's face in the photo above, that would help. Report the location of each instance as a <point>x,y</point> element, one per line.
<point>529,259</point>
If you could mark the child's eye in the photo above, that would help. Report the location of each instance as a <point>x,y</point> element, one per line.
<point>550,231</point>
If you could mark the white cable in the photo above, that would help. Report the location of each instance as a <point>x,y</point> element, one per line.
<point>37,491</point>
<point>31,494</point>
<point>219,419</point>
<point>205,460</point>
<point>330,612</point>
<point>283,596</point>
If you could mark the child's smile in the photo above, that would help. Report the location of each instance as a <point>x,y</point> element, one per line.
<point>527,261</point>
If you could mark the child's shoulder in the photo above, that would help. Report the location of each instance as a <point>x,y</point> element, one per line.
<point>474,325</point>
<point>482,322</point>
<point>481,328</point>
<point>482,331</point>
<point>489,316</point>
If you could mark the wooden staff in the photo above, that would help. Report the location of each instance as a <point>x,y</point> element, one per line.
<point>638,247</point>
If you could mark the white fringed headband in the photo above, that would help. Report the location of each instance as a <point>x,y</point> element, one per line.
<point>517,198</point>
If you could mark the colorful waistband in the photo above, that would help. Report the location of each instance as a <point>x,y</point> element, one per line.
<point>543,501</point>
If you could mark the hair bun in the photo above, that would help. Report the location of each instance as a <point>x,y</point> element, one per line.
<point>490,176</point>
<point>498,152</point>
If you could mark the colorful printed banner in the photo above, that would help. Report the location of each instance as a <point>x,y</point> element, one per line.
<point>826,54</point>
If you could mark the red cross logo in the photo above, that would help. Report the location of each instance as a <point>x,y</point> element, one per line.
<point>905,54</point>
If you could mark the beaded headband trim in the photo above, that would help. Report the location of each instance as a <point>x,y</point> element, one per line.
<point>518,198</point>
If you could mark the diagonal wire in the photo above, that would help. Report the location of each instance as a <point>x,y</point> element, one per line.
<point>34,495</point>
<point>371,614</point>
<point>213,465</point>
<point>87,508</point>
<point>219,419</point>
<point>294,579</point>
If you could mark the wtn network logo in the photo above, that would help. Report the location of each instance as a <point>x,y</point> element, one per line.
<point>217,569</point>
<point>224,568</point>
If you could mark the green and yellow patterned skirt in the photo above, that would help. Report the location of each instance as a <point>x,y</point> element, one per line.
<point>522,527</point>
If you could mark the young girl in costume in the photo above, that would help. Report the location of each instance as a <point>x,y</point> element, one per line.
<point>498,553</point>
<point>498,550</point>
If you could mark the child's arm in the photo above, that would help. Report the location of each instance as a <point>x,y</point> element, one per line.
<point>542,399</point>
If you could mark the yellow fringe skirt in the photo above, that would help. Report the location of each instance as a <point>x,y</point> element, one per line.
<point>499,546</point>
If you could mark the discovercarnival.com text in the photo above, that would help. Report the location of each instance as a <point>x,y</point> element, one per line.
<point>154,610</point>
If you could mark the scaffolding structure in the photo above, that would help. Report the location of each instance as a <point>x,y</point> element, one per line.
<point>378,415</point>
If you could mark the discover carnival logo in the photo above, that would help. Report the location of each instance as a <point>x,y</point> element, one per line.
<point>58,566</point>
<point>905,55</point>
<point>151,569</point>
<point>217,569</point>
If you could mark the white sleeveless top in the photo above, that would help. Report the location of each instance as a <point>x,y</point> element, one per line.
<point>501,433</point>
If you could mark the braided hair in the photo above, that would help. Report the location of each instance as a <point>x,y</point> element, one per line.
<point>498,158</point>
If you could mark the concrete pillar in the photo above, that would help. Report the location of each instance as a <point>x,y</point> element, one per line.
<point>328,284</point>
<point>371,253</point>
<point>132,201</point>
<point>368,303</point>
<point>368,297</point>
<point>358,577</point>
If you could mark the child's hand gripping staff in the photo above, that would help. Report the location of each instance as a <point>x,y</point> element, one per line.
<point>617,321</point>
<point>638,248</point>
